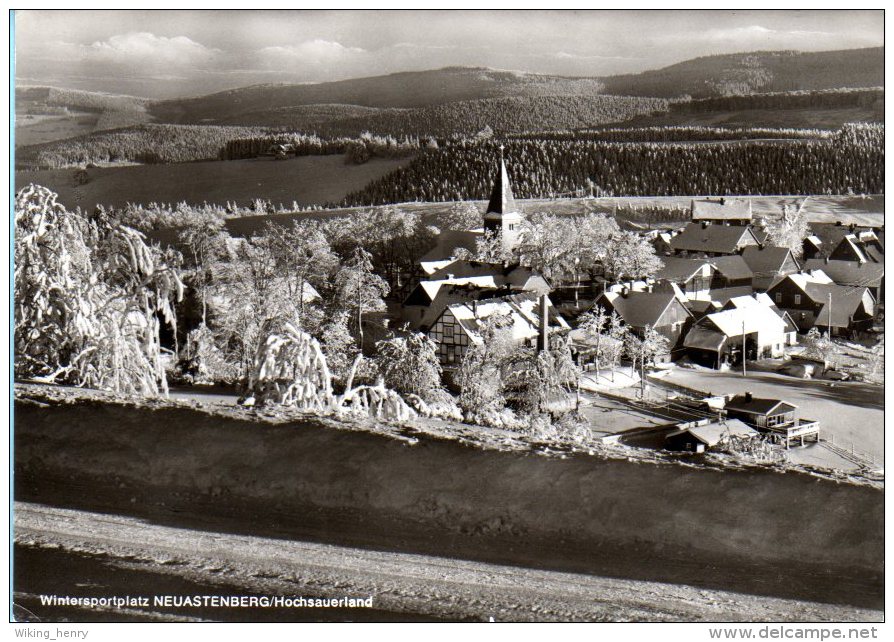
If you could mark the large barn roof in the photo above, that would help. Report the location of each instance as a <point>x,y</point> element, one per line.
<point>724,239</point>
<point>721,210</point>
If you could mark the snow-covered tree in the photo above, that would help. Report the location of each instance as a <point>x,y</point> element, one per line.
<point>790,229</point>
<point>593,325</point>
<point>480,375</point>
<point>290,370</point>
<point>488,249</point>
<point>546,245</point>
<point>303,257</point>
<point>339,346</point>
<point>631,256</point>
<point>461,216</point>
<point>819,346</point>
<point>643,350</point>
<point>876,359</point>
<point>618,333</point>
<point>90,297</point>
<point>204,239</point>
<point>410,365</point>
<point>360,290</point>
<point>536,379</point>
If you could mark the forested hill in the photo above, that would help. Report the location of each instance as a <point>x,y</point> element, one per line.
<point>761,71</point>
<point>701,77</point>
<point>408,89</point>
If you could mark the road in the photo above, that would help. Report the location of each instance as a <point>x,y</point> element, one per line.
<point>114,555</point>
<point>851,413</point>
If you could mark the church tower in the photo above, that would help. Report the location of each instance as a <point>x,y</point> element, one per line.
<point>502,215</point>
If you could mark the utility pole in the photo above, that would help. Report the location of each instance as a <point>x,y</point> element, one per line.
<point>744,367</point>
<point>830,316</point>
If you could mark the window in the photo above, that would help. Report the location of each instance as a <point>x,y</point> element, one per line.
<point>779,297</point>
<point>797,299</point>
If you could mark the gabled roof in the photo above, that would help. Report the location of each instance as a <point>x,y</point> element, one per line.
<point>639,309</point>
<point>714,432</point>
<point>725,209</point>
<point>757,318</point>
<point>758,406</point>
<point>502,274</point>
<point>704,338</point>
<point>831,236</point>
<point>426,292</point>
<point>849,272</point>
<point>801,279</point>
<point>767,260</point>
<point>501,198</point>
<point>679,269</point>
<point>523,310</point>
<point>855,247</point>
<point>732,267</point>
<point>846,300</point>
<point>725,239</point>
<point>448,241</point>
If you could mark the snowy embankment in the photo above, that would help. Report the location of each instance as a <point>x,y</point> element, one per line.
<point>401,487</point>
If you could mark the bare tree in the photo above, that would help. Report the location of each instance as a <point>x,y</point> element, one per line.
<point>790,229</point>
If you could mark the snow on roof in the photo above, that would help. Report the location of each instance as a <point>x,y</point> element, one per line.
<point>851,240</point>
<point>721,209</point>
<point>713,433</point>
<point>754,318</point>
<point>801,279</point>
<point>522,308</point>
<point>430,267</point>
<point>760,406</point>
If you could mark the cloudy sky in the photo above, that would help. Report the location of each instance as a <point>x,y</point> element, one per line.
<point>180,53</point>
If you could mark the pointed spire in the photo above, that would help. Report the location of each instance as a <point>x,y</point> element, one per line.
<point>501,199</point>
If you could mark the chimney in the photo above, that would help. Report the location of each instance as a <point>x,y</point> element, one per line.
<point>704,225</point>
<point>722,201</point>
<point>852,227</point>
<point>543,344</point>
<point>749,397</point>
<point>625,291</point>
<point>475,308</point>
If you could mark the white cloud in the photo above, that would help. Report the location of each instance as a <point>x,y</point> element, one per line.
<point>314,52</point>
<point>146,49</point>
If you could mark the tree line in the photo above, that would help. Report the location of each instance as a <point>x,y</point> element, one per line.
<point>674,134</point>
<point>852,161</point>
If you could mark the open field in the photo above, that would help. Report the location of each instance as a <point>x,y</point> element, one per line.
<point>307,180</point>
<point>36,129</point>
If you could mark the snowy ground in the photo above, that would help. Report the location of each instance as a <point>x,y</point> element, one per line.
<point>126,556</point>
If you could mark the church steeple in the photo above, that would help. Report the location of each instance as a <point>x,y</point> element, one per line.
<point>501,199</point>
<point>502,215</point>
